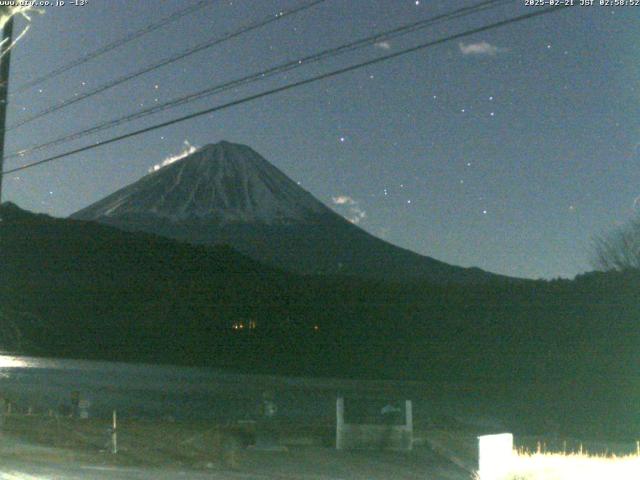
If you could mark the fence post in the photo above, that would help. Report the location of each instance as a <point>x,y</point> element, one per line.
<point>114,434</point>
<point>340,423</point>
<point>408,409</point>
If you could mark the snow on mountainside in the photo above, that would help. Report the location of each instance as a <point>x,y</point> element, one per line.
<point>225,182</point>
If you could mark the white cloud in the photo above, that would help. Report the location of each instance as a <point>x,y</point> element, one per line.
<point>186,151</point>
<point>479,48</point>
<point>343,200</point>
<point>384,45</point>
<point>354,213</point>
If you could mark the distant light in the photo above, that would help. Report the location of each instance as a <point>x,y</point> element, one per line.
<point>7,361</point>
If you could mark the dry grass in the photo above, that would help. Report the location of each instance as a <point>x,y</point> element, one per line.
<point>139,442</point>
<point>549,466</point>
<point>572,466</point>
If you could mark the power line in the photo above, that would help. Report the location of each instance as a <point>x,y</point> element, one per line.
<point>185,53</point>
<point>113,45</point>
<point>259,76</point>
<point>292,85</point>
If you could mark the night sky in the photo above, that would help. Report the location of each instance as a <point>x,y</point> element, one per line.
<point>507,150</point>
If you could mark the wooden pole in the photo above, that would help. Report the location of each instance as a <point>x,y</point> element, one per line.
<point>5,60</point>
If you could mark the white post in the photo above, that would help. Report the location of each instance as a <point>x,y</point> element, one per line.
<point>495,456</point>
<point>114,434</point>
<point>408,413</point>
<point>340,423</point>
<point>408,409</point>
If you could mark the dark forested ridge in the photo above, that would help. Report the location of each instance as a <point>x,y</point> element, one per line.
<point>79,289</point>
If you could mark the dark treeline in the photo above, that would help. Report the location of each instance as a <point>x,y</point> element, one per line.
<point>561,352</point>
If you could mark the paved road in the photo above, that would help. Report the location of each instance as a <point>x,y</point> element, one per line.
<point>309,465</point>
<point>25,471</point>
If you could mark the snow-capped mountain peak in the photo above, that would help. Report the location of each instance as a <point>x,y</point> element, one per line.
<point>223,182</point>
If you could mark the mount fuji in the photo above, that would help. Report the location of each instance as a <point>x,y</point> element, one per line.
<point>226,193</point>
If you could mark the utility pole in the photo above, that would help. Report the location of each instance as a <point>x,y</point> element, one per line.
<point>5,59</point>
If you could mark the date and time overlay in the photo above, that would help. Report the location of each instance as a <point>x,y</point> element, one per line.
<point>581,3</point>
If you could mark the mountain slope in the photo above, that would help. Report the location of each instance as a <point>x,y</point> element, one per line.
<point>228,194</point>
<point>99,291</point>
